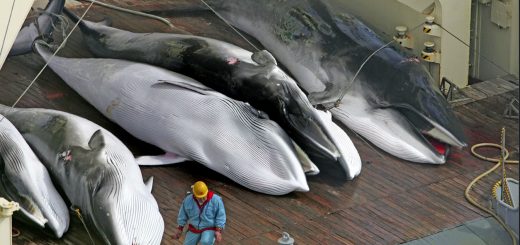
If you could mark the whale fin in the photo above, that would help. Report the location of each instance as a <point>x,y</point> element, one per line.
<point>97,141</point>
<point>168,158</point>
<point>264,58</point>
<point>195,87</point>
<point>149,183</point>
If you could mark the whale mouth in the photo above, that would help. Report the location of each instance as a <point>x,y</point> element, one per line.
<point>317,141</point>
<point>435,136</point>
<point>440,147</point>
<point>433,130</point>
<point>307,127</point>
<point>443,135</point>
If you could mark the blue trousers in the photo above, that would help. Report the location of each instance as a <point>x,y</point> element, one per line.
<point>205,238</point>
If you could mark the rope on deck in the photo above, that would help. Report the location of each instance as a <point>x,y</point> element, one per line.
<point>499,161</point>
<point>50,59</point>
<point>125,10</point>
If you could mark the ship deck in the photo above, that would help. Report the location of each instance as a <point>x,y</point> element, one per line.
<point>391,202</point>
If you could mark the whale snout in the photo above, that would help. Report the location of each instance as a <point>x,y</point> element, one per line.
<point>273,168</point>
<point>128,219</point>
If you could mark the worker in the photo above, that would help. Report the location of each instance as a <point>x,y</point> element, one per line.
<point>203,211</point>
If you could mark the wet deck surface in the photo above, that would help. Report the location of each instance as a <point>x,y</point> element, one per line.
<point>391,202</point>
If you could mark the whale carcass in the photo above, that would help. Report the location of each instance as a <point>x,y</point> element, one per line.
<point>41,28</point>
<point>391,102</point>
<point>252,77</point>
<point>188,121</point>
<point>96,171</point>
<point>25,180</point>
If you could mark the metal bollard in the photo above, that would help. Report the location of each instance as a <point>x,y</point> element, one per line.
<point>285,239</point>
<point>6,211</point>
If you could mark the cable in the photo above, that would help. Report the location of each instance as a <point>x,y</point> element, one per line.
<point>361,67</point>
<point>80,217</point>
<point>106,5</point>
<point>468,188</point>
<point>347,88</point>
<point>478,52</point>
<point>60,19</point>
<point>48,61</point>
<point>227,23</point>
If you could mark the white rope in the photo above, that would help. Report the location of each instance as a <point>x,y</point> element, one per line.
<point>64,22</point>
<point>106,5</point>
<point>478,52</point>
<point>344,92</point>
<point>49,60</point>
<point>227,23</point>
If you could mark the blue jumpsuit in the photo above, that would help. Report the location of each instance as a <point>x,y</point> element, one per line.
<point>210,214</point>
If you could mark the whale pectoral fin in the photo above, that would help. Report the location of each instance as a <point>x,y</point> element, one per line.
<point>264,58</point>
<point>168,158</point>
<point>195,87</point>
<point>309,168</point>
<point>149,183</point>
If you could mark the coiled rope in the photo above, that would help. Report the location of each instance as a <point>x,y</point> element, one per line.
<point>499,163</point>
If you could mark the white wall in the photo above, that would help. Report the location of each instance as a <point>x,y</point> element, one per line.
<point>500,45</point>
<point>19,13</point>
<point>455,17</point>
<point>514,65</point>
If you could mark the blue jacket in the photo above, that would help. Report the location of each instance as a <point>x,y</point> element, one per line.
<point>211,214</point>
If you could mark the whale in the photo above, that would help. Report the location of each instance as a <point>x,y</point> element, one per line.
<point>25,180</point>
<point>187,120</point>
<point>41,28</point>
<point>97,172</point>
<point>387,97</point>
<point>252,77</point>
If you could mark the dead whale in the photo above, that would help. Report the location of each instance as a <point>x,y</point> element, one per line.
<point>96,171</point>
<point>392,101</point>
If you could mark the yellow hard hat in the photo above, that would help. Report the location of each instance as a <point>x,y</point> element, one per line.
<point>200,189</point>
